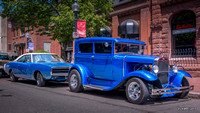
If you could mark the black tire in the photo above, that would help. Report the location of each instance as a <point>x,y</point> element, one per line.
<point>1,73</point>
<point>12,77</point>
<point>40,80</point>
<point>75,82</point>
<point>138,98</point>
<point>185,93</point>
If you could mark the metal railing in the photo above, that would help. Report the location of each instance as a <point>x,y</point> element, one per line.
<point>181,57</point>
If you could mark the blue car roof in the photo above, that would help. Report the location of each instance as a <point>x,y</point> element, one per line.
<point>110,39</point>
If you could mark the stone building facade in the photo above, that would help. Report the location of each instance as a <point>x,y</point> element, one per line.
<point>170,28</point>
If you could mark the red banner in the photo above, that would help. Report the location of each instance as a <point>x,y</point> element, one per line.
<point>81,28</point>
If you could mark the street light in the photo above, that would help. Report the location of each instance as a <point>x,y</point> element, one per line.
<point>75,8</point>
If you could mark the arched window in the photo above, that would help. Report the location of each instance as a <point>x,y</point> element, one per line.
<point>183,34</point>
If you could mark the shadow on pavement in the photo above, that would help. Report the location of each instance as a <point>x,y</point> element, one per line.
<point>49,84</point>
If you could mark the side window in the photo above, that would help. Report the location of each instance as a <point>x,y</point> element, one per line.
<point>104,47</point>
<point>28,58</point>
<point>85,48</point>
<point>22,59</point>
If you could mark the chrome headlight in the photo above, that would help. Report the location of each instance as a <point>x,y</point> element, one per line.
<point>155,69</point>
<point>175,69</point>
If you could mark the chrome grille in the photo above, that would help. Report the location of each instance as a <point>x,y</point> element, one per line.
<point>59,71</point>
<point>163,73</point>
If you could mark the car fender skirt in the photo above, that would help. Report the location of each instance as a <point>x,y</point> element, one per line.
<point>84,72</point>
<point>176,78</point>
<point>146,75</point>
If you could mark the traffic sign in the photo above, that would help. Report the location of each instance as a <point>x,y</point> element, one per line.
<point>75,34</point>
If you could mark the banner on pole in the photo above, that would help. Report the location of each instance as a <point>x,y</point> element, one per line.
<point>81,28</point>
<point>31,46</point>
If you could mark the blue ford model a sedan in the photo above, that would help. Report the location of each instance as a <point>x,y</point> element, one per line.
<point>109,63</point>
<point>40,67</point>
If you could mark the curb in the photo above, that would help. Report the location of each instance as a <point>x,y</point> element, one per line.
<point>194,95</point>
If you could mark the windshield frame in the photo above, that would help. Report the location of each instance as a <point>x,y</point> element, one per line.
<point>141,48</point>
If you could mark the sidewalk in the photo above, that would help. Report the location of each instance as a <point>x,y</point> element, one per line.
<point>196,92</point>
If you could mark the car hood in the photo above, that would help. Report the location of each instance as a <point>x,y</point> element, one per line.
<point>139,58</point>
<point>55,64</point>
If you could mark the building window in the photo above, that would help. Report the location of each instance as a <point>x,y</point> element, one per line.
<point>17,32</point>
<point>47,46</point>
<point>13,32</point>
<point>9,47</point>
<point>22,31</point>
<point>184,34</point>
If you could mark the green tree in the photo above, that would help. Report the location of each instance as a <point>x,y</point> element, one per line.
<point>57,15</point>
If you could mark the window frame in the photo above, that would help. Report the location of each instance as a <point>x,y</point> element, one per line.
<point>85,43</point>
<point>103,42</point>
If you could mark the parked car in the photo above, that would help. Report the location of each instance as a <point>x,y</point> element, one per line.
<point>110,63</point>
<point>40,67</point>
<point>4,58</point>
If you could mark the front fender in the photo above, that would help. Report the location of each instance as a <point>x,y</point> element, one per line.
<point>84,72</point>
<point>146,75</point>
<point>176,78</point>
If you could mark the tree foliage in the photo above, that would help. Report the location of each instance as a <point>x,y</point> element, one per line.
<point>57,15</point>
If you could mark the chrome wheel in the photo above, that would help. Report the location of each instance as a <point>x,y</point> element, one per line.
<point>134,90</point>
<point>12,77</point>
<point>38,78</point>
<point>73,81</point>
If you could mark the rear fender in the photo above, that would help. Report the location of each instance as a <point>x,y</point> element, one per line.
<point>84,72</point>
<point>176,78</point>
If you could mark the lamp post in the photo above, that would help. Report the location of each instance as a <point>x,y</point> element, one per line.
<point>75,8</point>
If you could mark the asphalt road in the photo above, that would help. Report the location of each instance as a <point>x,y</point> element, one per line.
<point>25,97</point>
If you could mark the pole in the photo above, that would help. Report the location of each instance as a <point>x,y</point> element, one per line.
<point>75,14</point>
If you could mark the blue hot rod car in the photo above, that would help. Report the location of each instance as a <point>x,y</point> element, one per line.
<point>109,63</point>
<point>40,67</point>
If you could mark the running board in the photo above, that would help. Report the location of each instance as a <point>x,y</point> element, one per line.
<point>95,87</point>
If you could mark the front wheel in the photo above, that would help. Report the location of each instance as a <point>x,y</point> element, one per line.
<point>75,83</point>
<point>184,93</point>
<point>136,91</point>
<point>40,80</point>
<point>12,77</point>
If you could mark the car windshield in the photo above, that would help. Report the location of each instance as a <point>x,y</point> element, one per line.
<point>128,48</point>
<point>4,57</point>
<point>47,58</point>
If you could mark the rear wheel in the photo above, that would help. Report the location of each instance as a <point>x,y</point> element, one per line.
<point>75,83</point>
<point>12,77</point>
<point>185,93</point>
<point>136,91</point>
<point>1,73</point>
<point>40,80</point>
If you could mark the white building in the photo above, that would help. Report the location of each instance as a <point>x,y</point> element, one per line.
<point>3,34</point>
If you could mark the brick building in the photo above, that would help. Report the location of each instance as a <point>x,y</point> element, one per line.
<point>17,41</point>
<point>169,27</point>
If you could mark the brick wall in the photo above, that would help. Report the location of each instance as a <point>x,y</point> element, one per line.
<point>36,39</point>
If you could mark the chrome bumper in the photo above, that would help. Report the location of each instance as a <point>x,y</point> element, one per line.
<point>162,91</point>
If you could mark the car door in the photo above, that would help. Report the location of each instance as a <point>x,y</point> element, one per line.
<point>24,66</point>
<point>102,61</point>
<point>84,54</point>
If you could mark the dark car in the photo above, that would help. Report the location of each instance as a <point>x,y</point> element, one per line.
<point>4,58</point>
